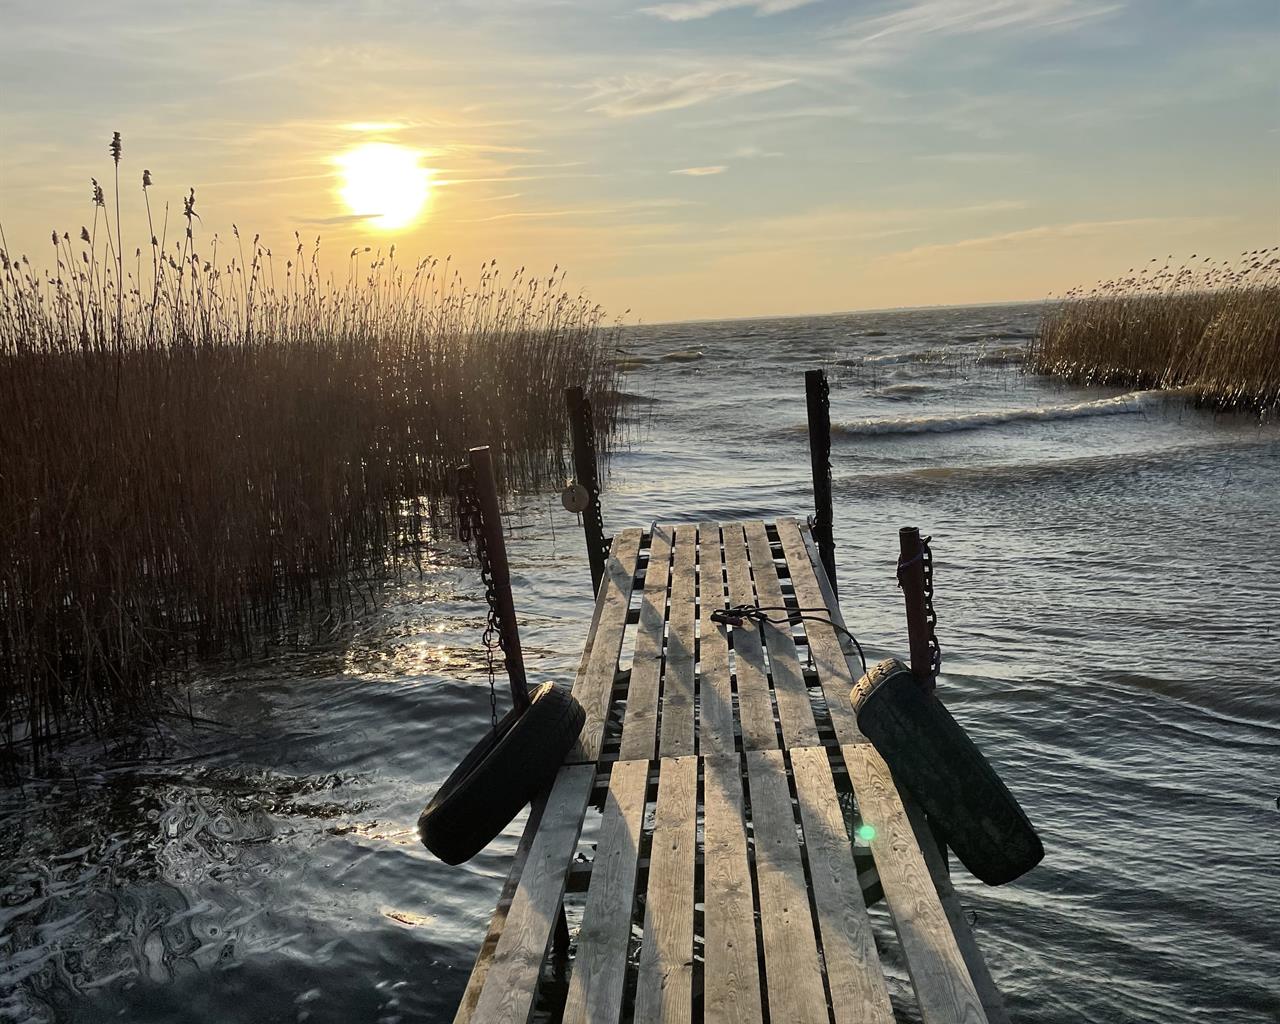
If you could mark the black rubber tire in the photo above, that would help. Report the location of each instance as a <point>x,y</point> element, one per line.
<point>503,772</point>
<point>933,758</point>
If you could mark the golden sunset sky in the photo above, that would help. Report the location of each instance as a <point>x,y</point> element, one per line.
<point>682,158</point>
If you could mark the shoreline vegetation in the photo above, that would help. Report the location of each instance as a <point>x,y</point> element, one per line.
<point>1212,327</point>
<point>202,450</point>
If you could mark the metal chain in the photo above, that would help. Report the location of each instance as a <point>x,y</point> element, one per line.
<point>824,400</point>
<point>471,533</point>
<point>589,425</point>
<point>930,616</point>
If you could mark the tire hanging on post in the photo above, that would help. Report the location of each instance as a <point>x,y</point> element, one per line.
<point>943,769</point>
<point>520,755</point>
<point>503,772</point>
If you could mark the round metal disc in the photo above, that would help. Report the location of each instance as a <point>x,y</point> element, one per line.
<point>575,497</point>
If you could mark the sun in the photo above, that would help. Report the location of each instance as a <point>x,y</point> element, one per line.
<point>384,183</point>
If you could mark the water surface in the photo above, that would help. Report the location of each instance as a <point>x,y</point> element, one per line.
<point>1106,573</point>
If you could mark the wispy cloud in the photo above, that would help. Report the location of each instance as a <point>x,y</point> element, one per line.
<point>1051,233</point>
<point>701,172</point>
<point>692,10</point>
<point>966,17</point>
<point>631,96</point>
<point>972,157</point>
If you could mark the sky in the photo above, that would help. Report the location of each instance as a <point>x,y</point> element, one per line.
<point>683,159</point>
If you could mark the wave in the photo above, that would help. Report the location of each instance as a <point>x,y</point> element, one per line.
<point>905,392</point>
<point>1133,402</point>
<point>893,358</point>
<point>1007,356</point>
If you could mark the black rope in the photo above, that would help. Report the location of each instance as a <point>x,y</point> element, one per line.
<point>740,614</point>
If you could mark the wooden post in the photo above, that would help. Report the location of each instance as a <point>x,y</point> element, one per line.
<point>911,580</point>
<point>819,409</point>
<point>495,544</point>
<point>586,472</point>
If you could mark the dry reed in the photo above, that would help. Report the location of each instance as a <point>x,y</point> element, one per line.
<point>199,451</point>
<point>1213,327</point>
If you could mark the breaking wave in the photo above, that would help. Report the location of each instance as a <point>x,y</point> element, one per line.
<point>1134,401</point>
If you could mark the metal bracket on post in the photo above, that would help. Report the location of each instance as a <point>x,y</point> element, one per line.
<point>911,580</point>
<point>586,471</point>
<point>818,404</point>
<point>481,460</point>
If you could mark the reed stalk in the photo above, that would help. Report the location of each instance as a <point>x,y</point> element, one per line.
<point>219,452</point>
<point>1212,327</point>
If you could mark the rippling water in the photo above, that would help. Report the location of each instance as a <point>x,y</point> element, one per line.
<point>1107,592</point>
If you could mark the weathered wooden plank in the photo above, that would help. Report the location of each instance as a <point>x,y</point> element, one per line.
<point>983,982</point>
<point>507,996</point>
<point>829,658</point>
<point>731,979</point>
<point>594,684</point>
<point>664,986</point>
<point>715,693</point>
<point>858,991</point>
<point>676,738</point>
<point>795,712</point>
<point>640,724</point>
<point>755,705</point>
<point>793,976</point>
<point>944,989</point>
<point>830,600</point>
<point>595,986</point>
<point>480,971</point>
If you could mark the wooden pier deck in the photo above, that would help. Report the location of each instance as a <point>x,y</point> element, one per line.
<point>739,822</point>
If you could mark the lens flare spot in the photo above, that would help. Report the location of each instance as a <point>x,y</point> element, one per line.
<point>384,183</point>
<point>866,832</point>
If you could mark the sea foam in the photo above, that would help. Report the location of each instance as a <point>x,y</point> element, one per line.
<point>1133,402</point>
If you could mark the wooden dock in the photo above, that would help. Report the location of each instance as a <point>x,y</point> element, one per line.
<point>739,823</point>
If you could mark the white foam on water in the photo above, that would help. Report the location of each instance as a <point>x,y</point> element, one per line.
<point>1133,402</point>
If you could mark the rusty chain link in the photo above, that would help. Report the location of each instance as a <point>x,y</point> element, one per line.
<point>593,486</point>
<point>930,616</point>
<point>471,533</point>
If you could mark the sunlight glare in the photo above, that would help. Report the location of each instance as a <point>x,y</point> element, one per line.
<point>384,183</point>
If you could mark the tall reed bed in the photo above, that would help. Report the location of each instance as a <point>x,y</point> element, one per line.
<point>200,447</point>
<point>1214,327</point>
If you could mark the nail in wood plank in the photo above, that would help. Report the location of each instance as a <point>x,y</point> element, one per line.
<point>945,990</point>
<point>640,724</point>
<point>795,712</point>
<point>664,989</point>
<point>595,986</point>
<point>858,991</point>
<point>678,669</point>
<point>715,695</point>
<point>507,997</point>
<point>793,978</point>
<point>593,687</point>
<point>755,705</point>
<point>833,666</point>
<point>731,979</point>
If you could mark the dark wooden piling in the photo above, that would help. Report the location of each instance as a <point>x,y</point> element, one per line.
<point>586,471</point>
<point>481,460</point>
<point>816,394</point>
<point>911,580</point>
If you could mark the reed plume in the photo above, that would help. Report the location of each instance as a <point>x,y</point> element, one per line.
<point>1214,327</point>
<point>217,451</point>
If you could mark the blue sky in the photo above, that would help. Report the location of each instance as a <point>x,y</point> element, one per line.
<point>683,158</point>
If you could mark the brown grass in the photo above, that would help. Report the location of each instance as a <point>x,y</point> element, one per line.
<point>1214,327</point>
<point>197,451</point>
